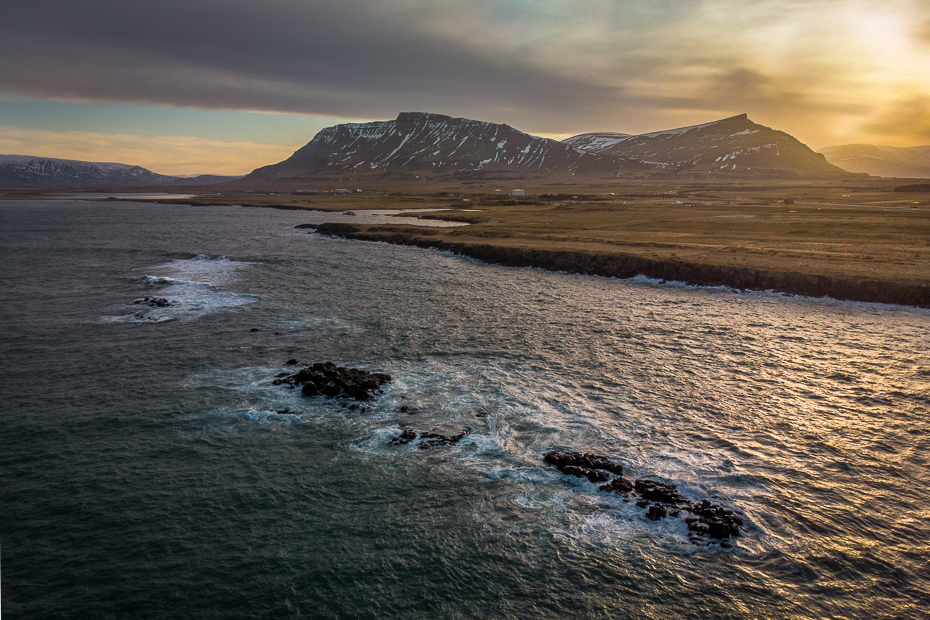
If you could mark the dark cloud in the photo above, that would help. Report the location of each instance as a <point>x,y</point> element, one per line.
<point>541,65</point>
<point>341,59</point>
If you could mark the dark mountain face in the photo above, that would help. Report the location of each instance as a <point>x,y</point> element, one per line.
<point>23,171</point>
<point>421,145</point>
<point>881,161</point>
<point>732,146</point>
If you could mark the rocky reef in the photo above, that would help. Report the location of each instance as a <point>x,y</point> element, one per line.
<point>705,519</point>
<point>155,302</point>
<point>328,379</point>
<point>427,440</point>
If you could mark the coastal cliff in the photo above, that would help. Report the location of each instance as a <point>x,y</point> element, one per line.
<point>844,288</point>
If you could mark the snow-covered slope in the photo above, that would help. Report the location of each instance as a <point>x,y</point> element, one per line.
<point>596,142</point>
<point>881,161</point>
<point>732,146</point>
<point>426,145</point>
<point>26,171</point>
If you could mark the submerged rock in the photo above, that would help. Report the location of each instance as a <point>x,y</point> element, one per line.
<point>427,440</point>
<point>433,440</point>
<point>404,438</point>
<point>328,379</point>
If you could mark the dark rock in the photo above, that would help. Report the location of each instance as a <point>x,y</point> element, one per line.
<point>155,302</point>
<point>291,362</point>
<point>618,485</point>
<point>404,438</point>
<point>327,379</point>
<point>583,465</point>
<point>583,472</point>
<point>714,520</point>
<point>656,512</point>
<point>660,492</point>
<point>409,410</point>
<point>433,440</point>
<point>256,329</point>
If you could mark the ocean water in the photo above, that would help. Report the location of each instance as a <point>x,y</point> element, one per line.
<point>150,469</point>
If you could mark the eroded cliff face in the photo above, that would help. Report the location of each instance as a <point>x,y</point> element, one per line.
<point>624,266</point>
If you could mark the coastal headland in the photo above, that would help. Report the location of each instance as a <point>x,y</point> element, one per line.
<point>851,239</point>
<point>857,239</point>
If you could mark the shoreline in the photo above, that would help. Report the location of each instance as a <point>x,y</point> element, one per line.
<point>625,266</point>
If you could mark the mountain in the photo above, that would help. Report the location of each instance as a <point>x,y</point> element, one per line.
<point>881,161</point>
<point>732,146</point>
<point>28,172</point>
<point>422,145</point>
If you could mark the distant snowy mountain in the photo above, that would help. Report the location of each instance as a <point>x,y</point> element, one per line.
<point>422,145</point>
<point>881,161</point>
<point>29,172</point>
<point>732,146</point>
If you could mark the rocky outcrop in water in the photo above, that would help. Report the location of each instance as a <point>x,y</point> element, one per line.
<point>155,302</point>
<point>328,379</point>
<point>427,440</point>
<point>594,467</point>
<point>705,519</point>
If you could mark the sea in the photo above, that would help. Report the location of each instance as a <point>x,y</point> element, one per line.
<point>150,467</point>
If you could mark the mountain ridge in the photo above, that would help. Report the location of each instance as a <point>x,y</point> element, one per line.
<point>423,145</point>
<point>881,160</point>
<point>718,147</point>
<point>36,172</point>
<point>426,145</point>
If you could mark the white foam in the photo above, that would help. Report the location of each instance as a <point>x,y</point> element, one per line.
<point>191,288</point>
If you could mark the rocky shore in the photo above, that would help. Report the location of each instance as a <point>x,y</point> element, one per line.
<point>705,519</point>
<point>846,288</point>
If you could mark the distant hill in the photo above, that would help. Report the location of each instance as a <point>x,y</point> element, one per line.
<point>423,145</point>
<point>30,172</point>
<point>732,146</point>
<point>881,161</point>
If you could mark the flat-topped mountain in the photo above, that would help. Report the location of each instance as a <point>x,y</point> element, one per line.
<point>881,161</point>
<point>732,146</point>
<point>27,172</point>
<point>422,145</point>
<point>419,145</point>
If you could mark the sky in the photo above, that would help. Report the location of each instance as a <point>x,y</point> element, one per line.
<point>225,86</point>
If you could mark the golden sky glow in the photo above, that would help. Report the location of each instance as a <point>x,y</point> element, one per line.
<point>828,72</point>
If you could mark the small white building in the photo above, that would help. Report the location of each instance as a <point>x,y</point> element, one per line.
<point>518,192</point>
<point>498,192</point>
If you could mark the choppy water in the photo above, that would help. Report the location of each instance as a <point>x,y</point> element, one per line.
<point>146,472</point>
